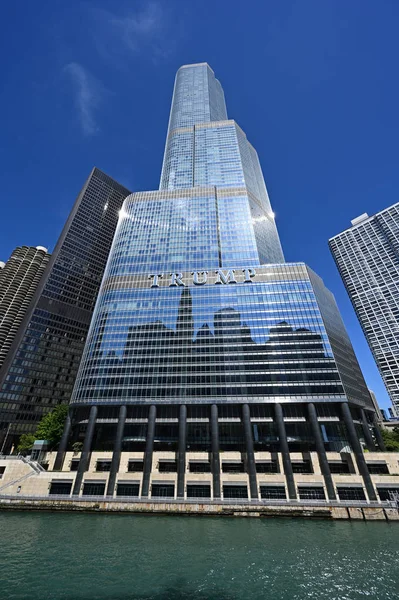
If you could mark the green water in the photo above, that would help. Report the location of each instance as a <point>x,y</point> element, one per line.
<point>47,556</point>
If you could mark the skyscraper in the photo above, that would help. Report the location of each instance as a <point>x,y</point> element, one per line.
<point>210,362</point>
<point>204,148</point>
<point>367,257</point>
<point>39,369</point>
<point>18,282</point>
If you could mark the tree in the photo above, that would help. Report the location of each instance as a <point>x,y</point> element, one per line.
<point>51,426</point>
<point>26,442</point>
<point>391,438</point>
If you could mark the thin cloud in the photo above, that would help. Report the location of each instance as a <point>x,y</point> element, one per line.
<point>88,94</point>
<point>119,37</point>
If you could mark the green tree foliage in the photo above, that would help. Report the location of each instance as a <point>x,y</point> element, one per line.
<point>391,438</point>
<point>25,443</point>
<point>51,426</point>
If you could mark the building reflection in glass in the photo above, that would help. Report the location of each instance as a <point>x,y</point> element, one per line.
<point>209,342</point>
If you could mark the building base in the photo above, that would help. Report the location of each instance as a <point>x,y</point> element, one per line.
<point>25,484</point>
<point>202,509</point>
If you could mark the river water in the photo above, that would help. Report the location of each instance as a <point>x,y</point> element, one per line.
<point>52,556</point>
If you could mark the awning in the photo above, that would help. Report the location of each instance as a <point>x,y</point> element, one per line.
<point>97,481</point>
<point>207,483</point>
<point>310,484</point>
<point>128,482</point>
<point>61,481</point>
<point>168,482</point>
<point>244,483</point>
<point>347,485</point>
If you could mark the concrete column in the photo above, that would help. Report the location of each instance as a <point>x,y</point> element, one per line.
<point>84,457</point>
<point>377,433</point>
<point>181,461</point>
<point>249,442</point>
<point>149,449</point>
<point>215,466</point>
<point>357,449</point>
<point>367,433</point>
<point>116,455</point>
<point>285,453</point>
<point>321,452</point>
<point>59,459</point>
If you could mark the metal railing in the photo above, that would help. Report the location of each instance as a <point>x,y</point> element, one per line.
<point>232,502</point>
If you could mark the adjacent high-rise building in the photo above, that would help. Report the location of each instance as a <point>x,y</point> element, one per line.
<point>39,369</point>
<point>19,279</point>
<point>376,406</point>
<point>210,361</point>
<point>367,257</point>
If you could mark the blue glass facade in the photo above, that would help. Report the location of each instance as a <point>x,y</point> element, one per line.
<point>259,339</point>
<point>197,97</point>
<point>204,148</point>
<point>189,309</point>
<point>202,337</point>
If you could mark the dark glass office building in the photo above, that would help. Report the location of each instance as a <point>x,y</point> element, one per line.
<point>40,367</point>
<point>207,353</point>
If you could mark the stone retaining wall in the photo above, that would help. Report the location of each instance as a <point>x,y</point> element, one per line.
<point>329,512</point>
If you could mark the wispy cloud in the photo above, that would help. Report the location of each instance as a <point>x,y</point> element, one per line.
<point>88,95</point>
<point>123,36</point>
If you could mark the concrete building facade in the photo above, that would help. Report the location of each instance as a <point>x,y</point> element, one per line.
<point>19,279</point>
<point>367,257</point>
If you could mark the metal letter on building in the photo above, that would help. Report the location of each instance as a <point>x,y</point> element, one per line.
<point>155,277</point>
<point>249,273</point>
<point>228,278</point>
<point>176,279</point>
<point>204,274</point>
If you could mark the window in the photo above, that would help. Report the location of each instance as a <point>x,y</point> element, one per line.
<point>351,493</point>
<point>199,467</point>
<point>233,467</point>
<point>235,491</point>
<point>270,466</point>
<point>272,492</point>
<point>74,464</point>
<point>167,466</point>
<point>61,488</point>
<point>135,466</point>
<point>198,491</point>
<point>162,490</point>
<point>378,468</point>
<point>103,465</point>
<point>388,493</point>
<point>339,467</point>
<point>311,492</point>
<point>2,469</point>
<point>303,466</point>
<point>93,488</point>
<point>125,488</point>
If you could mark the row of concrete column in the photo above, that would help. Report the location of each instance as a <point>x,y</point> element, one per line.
<point>215,455</point>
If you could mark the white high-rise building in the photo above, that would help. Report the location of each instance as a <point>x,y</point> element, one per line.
<point>367,257</point>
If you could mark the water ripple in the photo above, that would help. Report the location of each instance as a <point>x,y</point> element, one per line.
<point>123,557</point>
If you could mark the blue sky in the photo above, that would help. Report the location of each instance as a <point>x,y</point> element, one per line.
<point>313,83</point>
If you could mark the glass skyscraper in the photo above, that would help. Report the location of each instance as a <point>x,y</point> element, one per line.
<point>367,257</point>
<point>39,370</point>
<point>210,361</point>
